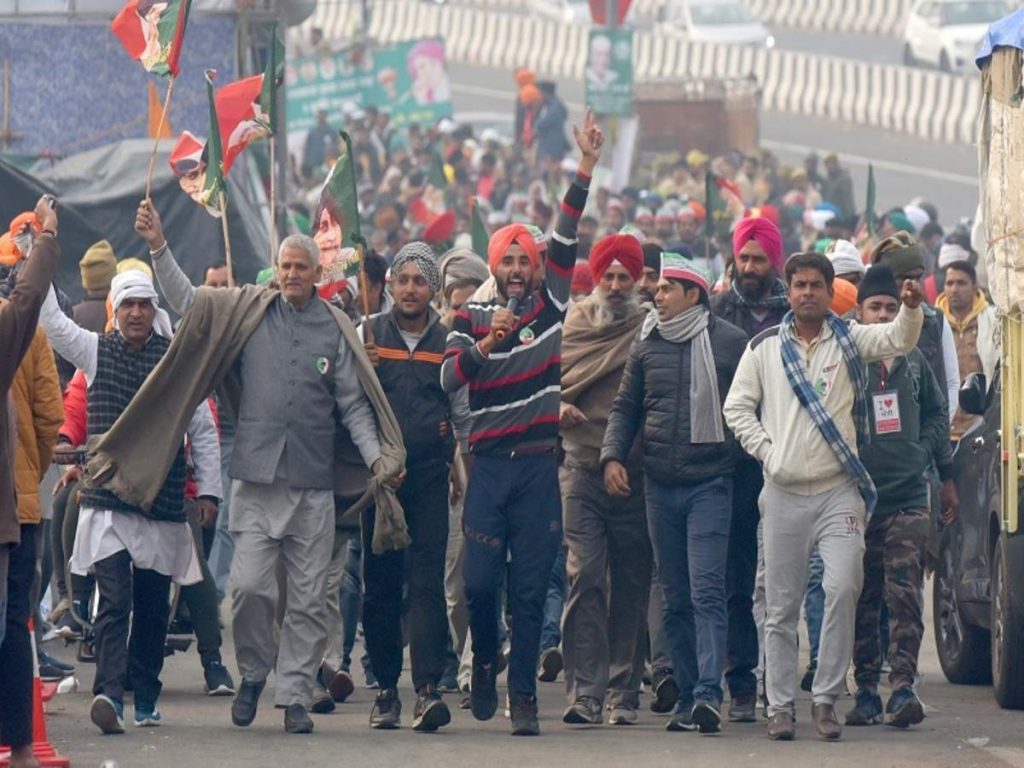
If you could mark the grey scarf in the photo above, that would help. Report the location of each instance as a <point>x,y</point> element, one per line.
<point>705,402</point>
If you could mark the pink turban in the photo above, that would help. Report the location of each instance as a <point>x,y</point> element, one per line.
<point>765,233</point>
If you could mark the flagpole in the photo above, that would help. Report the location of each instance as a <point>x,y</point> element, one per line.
<point>364,288</point>
<point>273,199</point>
<point>156,143</point>
<point>227,239</point>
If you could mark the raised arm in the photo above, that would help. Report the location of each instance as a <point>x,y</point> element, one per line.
<point>72,342</point>
<point>177,288</point>
<point>882,341</point>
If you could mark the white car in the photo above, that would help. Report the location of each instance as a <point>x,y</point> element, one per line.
<point>713,21</point>
<point>946,33</point>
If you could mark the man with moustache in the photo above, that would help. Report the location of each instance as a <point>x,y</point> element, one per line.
<point>609,560</point>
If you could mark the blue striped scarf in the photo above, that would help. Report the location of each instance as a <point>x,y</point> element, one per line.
<point>796,373</point>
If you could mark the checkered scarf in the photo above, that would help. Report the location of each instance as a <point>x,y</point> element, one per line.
<point>796,373</point>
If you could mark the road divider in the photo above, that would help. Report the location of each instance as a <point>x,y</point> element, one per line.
<point>927,104</point>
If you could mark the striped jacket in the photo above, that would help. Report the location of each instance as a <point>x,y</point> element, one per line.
<point>514,393</point>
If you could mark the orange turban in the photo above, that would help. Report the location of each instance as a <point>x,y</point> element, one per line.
<point>9,255</point>
<point>844,296</point>
<point>513,234</point>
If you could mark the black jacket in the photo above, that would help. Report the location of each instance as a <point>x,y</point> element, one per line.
<point>726,306</point>
<point>655,394</point>
<point>412,383</point>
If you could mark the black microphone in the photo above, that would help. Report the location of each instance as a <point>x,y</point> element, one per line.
<point>513,307</point>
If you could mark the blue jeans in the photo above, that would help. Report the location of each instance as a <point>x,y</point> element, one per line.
<point>814,603</point>
<point>551,634</point>
<point>513,505</point>
<point>689,526</point>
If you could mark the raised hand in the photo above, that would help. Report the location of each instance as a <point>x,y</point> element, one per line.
<point>589,139</point>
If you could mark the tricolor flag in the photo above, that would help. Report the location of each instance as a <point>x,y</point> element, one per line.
<point>242,120</point>
<point>336,226</point>
<point>152,32</point>
<point>189,162</point>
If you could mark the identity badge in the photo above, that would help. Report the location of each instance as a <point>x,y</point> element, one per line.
<point>887,413</point>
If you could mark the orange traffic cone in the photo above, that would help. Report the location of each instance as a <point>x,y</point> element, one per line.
<point>43,750</point>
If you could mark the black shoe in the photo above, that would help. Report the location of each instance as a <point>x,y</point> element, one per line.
<point>524,716</point>
<point>386,714</point>
<point>706,717</point>
<point>430,712</point>
<point>586,710</point>
<point>218,680</point>
<point>867,709</point>
<point>243,708</point>
<point>904,709</point>
<point>297,720</point>
<point>483,696</point>
<point>807,683</point>
<point>51,669</point>
<point>666,693</point>
<point>550,665</point>
<point>681,720</point>
<point>323,702</point>
<point>742,708</point>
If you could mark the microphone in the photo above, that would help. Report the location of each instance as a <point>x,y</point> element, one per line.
<point>513,306</point>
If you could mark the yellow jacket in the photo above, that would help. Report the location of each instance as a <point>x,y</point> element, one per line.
<point>40,409</point>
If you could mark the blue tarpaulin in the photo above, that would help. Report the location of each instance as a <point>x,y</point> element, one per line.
<point>1008,32</point>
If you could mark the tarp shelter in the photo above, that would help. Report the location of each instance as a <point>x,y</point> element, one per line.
<point>99,192</point>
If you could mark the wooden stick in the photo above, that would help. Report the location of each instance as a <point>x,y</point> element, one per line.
<point>156,142</point>
<point>227,239</point>
<point>273,200</point>
<point>364,291</point>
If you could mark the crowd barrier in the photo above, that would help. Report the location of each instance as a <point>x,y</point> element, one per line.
<point>923,103</point>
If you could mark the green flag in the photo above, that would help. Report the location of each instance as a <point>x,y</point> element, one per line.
<point>272,77</point>
<point>214,192</point>
<point>869,206</point>
<point>437,177</point>
<point>478,231</point>
<point>718,219</point>
<point>336,223</point>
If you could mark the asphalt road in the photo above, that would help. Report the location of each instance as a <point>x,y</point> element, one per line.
<point>964,729</point>
<point>905,167</point>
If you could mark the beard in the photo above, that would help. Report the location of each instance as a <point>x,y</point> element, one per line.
<point>752,287</point>
<point>607,312</point>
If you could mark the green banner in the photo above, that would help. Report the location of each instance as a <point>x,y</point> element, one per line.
<point>408,79</point>
<point>609,73</point>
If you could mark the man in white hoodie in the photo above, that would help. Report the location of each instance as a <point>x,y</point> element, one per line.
<point>806,379</point>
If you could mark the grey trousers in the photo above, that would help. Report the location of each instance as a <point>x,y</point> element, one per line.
<point>793,525</point>
<point>271,522</point>
<point>609,577</point>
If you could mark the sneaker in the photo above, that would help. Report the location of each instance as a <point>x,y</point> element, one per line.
<point>68,627</point>
<point>483,696</point>
<point>666,693</point>
<point>107,714</point>
<point>448,684</point>
<point>586,710</point>
<point>550,665</point>
<point>867,709</point>
<point>323,702</point>
<point>371,681</point>
<point>524,716</point>
<point>51,669</point>
<point>386,714</point>
<point>742,708</point>
<point>903,709</point>
<point>706,717</point>
<point>218,680</point>
<point>146,715</point>
<point>430,712</point>
<point>681,720</point>
<point>807,683</point>
<point>622,714</point>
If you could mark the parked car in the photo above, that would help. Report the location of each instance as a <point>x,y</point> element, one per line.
<point>978,589</point>
<point>946,33</point>
<point>713,21</point>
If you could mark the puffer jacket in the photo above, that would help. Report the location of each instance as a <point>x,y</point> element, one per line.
<point>655,395</point>
<point>40,413</point>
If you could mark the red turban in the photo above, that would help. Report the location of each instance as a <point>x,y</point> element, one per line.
<point>764,232</point>
<point>513,234</point>
<point>625,249</point>
<point>581,279</point>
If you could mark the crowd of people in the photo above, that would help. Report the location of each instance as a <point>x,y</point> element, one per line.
<point>619,442</point>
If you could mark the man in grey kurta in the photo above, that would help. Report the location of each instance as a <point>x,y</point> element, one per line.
<point>298,378</point>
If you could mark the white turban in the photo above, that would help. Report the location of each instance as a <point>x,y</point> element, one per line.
<point>952,252</point>
<point>845,258</point>
<point>136,284</point>
<point>917,215</point>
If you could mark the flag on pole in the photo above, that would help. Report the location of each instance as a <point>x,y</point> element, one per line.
<point>241,117</point>
<point>437,177</point>
<point>272,77</point>
<point>869,206</point>
<point>152,32</point>
<point>336,225</point>
<point>481,238</point>
<point>157,127</point>
<point>214,192</point>
<point>717,194</point>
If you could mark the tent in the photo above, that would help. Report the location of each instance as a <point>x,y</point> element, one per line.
<point>99,192</point>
